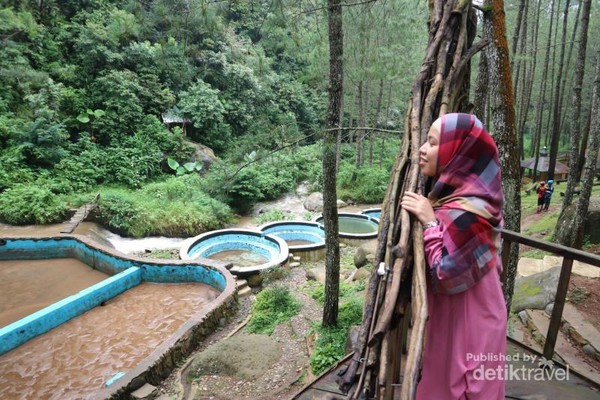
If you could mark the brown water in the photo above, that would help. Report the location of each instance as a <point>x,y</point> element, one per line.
<point>74,360</point>
<point>241,258</point>
<point>27,286</point>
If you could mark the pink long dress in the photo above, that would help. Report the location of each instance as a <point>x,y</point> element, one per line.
<point>466,336</point>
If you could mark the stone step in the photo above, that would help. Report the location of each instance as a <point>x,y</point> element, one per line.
<point>563,350</point>
<point>245,291</point>
<point>581,331</point>
<point>241,283</point>
<point>146,392</point>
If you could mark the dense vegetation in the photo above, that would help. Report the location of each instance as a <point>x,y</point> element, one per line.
<point>87,85</point>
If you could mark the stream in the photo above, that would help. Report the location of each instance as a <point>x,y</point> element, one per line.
<point>291,204</point>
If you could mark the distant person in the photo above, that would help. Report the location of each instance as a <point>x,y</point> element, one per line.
<point>548,193</point>
<point>466,330</point>
<point>541,196</point>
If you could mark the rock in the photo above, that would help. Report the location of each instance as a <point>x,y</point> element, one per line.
<point>203,154</point>
<point>589,350</point>
<point>523,317</point>
<point>341,203</point>
<point>535,291</point>
<point>254,280</point>
<point>592,221</point>
<point>294,264</point>
<point>365,254</point>
<point>314,202</point>
<point>549,308</point>
<point>316,274</point>
<point>145,392</point>
<point>363,274</point>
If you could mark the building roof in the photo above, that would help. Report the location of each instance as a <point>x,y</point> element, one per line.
<point>543,164</point>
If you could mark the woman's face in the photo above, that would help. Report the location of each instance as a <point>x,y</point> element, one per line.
<point>428,153</point>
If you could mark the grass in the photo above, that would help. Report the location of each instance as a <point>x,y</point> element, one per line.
<point>547,221</point>
<point>274,305</point>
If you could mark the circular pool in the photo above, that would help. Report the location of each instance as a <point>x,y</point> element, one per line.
<point>246,250</point>
<point>355,228</point>
<point>304,239</point>
<point>372,212</point>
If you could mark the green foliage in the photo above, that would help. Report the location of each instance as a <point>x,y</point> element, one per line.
<point>271,275</point>
<point>273,306</point>
<point>31,204</point>
<point>578,294</point>
<point>202,105</point>
<point>347,290</point>
<point>176,207</point>
<point>369,186</point>
<point>185,168</point>
<point>271,216</point>
<point>331,342</point>
<point>120,213</point>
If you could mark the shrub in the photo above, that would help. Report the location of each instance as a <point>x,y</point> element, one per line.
<point>175,207</point>
<point>331,343</point>
<point>365,185</point>
<point>119,212</point>
<point>272,215</point>
<point>24,204</point>
<point>273,306</point>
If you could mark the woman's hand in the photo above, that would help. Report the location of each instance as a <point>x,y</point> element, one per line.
<point>419,206</point>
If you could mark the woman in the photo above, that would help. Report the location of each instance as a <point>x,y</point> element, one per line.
<point>466,334</point>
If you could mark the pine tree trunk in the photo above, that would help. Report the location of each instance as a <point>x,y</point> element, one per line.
<point>525,103</point>
<point>481,93</point>
<point>503,114</point>
<point>542,95</point>
<point>576,105</point>
<point>557,95</point>
<point>330,216</point>
<point>575,239</point>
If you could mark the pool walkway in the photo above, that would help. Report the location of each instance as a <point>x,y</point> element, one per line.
<point>81,214</point>
<point>524,383</point>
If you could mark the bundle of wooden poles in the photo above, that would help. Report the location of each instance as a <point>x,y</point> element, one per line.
<point>387,356</point>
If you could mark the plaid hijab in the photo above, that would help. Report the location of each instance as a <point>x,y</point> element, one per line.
<point>467,200</point>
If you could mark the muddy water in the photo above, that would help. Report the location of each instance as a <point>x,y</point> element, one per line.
<point>74,360</point>
<point>27,286</point>
<point>241,258</point>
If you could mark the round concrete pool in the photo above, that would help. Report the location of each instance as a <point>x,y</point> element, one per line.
<point>372,212</point>
<point>248,251</point>
<point>304,239</point>
<point>355,228</point>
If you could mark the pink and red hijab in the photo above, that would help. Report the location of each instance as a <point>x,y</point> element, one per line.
<point>467,199</point>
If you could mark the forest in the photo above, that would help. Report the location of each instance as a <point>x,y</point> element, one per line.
<point>182,114</point>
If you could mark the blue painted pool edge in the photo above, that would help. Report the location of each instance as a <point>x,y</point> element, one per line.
<point>19,332</point>
<point>127,273</point>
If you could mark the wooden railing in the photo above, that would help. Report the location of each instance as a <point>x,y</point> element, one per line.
<point>569,255</point>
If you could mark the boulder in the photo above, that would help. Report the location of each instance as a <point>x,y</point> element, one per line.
<point>535,292</point>
<point>341,204</point>
<point>365,253</point>
<point>316,274</point>
<point>203,154</point>
<point>314,202</point>
<point>592,221</point>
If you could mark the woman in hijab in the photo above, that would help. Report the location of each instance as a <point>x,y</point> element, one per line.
<point>465,342</point>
